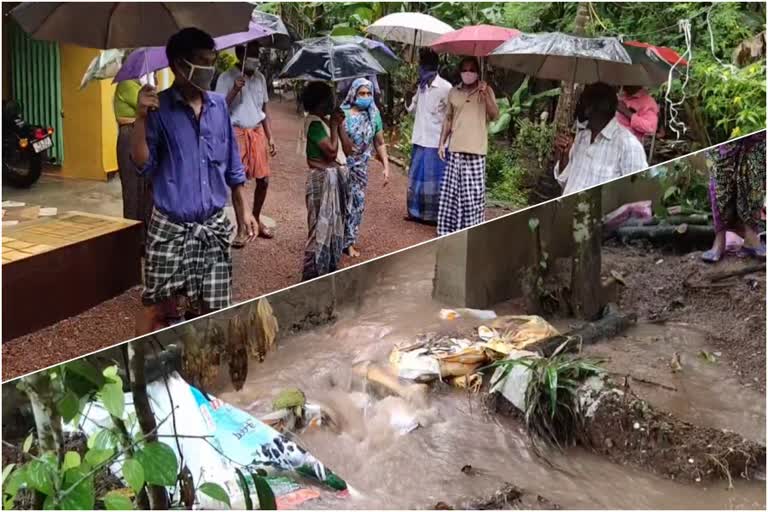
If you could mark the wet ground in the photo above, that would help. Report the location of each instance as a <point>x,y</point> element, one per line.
<point>264,266</point>
<point>418,469</point>
<point>731,318</point>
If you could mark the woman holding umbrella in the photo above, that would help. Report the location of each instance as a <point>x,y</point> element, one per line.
<point>366,134</point>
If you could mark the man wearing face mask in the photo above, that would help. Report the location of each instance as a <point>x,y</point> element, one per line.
<point>184,142</point>
<point>471,105</point>
<point>246,91</point>
<point>602,149</point>
<point>430,104</point>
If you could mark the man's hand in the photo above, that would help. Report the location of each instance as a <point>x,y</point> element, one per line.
<point>624,109</point>
<point>563,143</point>
<point>272,148</point>
<point>148,100</point>
<point>386,176</point>
<point>482,88</point>
<point>239,84</point>
<point>250,227</point>
<point>441,152</point>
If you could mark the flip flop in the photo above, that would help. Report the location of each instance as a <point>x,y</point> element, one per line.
<point>711,256</point>
<point>754,252</point>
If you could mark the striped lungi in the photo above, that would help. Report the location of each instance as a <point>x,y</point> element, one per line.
<point>189,259</point>
<point>462,193</point>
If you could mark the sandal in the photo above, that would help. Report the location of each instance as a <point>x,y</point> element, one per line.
<point>239,242</point>
<point>711,256</point>
<point>754,252</point>
<point>265,233</point>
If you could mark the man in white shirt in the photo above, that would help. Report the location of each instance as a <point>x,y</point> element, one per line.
<point>247,96</point>
<point>602,149</point>
<point>426,172</point>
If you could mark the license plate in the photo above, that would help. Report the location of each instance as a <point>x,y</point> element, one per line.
<point>42,145</point>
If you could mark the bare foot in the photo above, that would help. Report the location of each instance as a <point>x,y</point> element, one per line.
<point>354,253</point>
<point>264,232</point>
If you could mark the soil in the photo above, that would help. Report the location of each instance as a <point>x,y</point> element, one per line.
<point>732,315</point>
<point>262,267</point>
<point>630,431</point>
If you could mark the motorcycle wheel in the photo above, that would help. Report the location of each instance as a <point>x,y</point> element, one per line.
<point>22,171</point>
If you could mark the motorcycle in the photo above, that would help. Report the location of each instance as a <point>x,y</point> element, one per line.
<point>25,147</point>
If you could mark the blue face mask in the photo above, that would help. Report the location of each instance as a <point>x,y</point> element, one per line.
<point>363,103</point>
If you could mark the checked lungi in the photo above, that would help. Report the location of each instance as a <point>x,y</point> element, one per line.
<point>189,259</point>
<point>462,193</point>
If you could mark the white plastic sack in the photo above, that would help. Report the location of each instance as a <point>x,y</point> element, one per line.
<point>514,385</point>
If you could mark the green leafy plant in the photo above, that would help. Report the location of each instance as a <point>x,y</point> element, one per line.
<point>685,189</point>
<point>66,479</point>
<point>551,396</point>
<point>514,106</point>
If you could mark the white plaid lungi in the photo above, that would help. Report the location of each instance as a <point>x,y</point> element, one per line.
<point>189,259</point>
<point>462,193</point>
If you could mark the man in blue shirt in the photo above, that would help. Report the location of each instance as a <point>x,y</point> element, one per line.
<point>184,142</point>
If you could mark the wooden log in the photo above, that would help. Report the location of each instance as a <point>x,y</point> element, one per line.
<point>611,324</point>
<point>666,234</point>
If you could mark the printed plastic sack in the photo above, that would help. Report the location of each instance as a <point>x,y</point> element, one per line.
<point>251,443</point>
<point>206,446</point>
<point>640,210</point>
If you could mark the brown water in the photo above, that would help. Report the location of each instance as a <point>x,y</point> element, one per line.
<point>416,470</point>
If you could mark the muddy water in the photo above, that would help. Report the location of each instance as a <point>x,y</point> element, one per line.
<point>416,470</point>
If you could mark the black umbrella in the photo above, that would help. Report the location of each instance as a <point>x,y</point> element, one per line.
<point>108,25</point>
<point>330,59</point>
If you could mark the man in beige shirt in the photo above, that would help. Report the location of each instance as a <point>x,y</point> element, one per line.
<point>471,105</point>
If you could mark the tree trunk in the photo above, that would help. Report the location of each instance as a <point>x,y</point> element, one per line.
<point>546,185</point>
<point>48,422</point>
<point>158,495</point>
<point>586,283</point>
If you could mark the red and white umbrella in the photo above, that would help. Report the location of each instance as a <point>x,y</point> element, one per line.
<point>475,40</point>
<point>669,55</point>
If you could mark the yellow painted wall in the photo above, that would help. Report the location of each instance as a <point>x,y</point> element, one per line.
<point>90,129</point>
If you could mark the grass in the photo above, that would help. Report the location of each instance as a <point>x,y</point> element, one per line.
<point>550,398</point>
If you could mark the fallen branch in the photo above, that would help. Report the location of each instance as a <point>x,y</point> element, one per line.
<point>725,274</point>
<point>611,324</point>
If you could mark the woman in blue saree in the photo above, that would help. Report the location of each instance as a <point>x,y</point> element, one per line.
<point>364,127</point>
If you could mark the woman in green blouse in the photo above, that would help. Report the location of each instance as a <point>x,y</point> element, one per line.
<point>137,190</point>
<point>326,188</point>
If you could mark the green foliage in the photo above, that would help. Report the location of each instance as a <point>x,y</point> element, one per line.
<point>225,62</point>
<point>732,100</point>
<point>550,398</point>
<point>685,187</point>
<point>264,492</point>
<point>69,484</point>
<point>216,492</point>
<point>519,103</point>
<point>533,142</point>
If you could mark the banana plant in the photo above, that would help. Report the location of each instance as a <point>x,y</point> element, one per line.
<point>512,107</point>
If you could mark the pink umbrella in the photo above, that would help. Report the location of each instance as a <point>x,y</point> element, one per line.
<point>475,40</point>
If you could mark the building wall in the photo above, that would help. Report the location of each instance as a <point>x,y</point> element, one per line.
<point>90,130</point>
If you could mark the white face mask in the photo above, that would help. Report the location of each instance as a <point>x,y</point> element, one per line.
<point>200,76</point>
<point>468,77</point>
<point>252,63</point>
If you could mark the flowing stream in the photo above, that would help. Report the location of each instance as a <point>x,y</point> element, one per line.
<point>389,470</point>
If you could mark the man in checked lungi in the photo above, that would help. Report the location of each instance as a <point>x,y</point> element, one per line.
<point>184,141</point>
<point>471,105</point>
